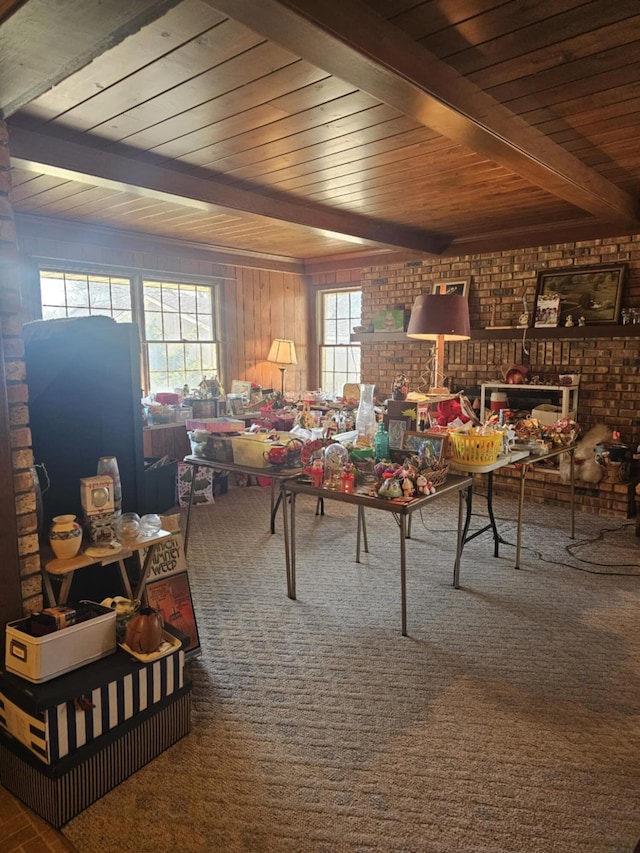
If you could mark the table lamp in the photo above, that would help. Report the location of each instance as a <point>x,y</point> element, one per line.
<point>439,317</point>
<point>282,353</point>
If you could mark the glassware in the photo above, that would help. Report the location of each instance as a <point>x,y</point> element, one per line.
<point>382,443</point>
<point>150,524</point>
<point>109,465</point>
<point>128,527</point>
<point>366,416</point>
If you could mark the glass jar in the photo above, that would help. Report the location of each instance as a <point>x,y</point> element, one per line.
<point>109,465</point>
<point>382,443</point>
<point>366,416</point>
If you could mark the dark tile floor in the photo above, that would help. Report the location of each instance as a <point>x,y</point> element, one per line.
<point>22,831</point>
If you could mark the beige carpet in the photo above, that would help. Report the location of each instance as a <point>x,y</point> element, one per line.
<point>507,722</point>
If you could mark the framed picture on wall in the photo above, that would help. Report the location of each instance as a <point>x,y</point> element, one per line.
<point>590,292</point>
<point>453,287</point>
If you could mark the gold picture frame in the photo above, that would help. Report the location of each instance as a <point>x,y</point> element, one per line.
<point>593,292</point>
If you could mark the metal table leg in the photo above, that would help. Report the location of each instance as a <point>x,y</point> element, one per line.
<point>289,520</point>
<point>403,572</point>
<point>460,536</point>
<point>192,491</point>
<point>523,474</point>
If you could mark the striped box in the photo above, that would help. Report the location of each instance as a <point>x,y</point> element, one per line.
<point>61,791</point>
<point>55,719</point>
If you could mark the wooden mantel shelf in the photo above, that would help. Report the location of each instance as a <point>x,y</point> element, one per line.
<point>533,334</point>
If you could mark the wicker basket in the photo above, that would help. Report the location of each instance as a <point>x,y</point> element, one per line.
<point>475,449</point>
<point>437,476</point>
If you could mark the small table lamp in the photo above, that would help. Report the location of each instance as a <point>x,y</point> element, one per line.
<point>439,317</point>
<point>282,353</point>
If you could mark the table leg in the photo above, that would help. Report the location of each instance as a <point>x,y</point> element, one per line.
<point>403,572</point>
<point>468,497</point>
<point>275,503</point>
<point>126,583</point>
<point>292,568</point>
<point>358,533</point>
<point>523,474</point>
<point>285,528</point>
<point>572,506</point>
<point>65,587</point>
<point>192,491</point>
<point>460,537</point>
<point>46,582</point>
<point>364,531</point>
<point>494,529</point>
<point>144,571</point>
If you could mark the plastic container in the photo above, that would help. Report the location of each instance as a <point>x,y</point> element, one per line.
<point>475,449</point>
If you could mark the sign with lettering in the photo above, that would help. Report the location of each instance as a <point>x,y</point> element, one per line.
<point>168,558</point>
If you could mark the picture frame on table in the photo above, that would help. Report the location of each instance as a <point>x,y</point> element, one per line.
<point>235,405</point>
<point>453,287</point>
<point>435,445</point>
<point>396,427</point>
<point>593,292</point>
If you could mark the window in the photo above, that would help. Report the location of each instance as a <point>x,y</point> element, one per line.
<point>178,321</point>
<point>339,312</point>
<point>71,294</point>
<point>179,333</point>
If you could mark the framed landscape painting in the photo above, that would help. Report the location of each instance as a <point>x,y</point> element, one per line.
<point>590,292</point>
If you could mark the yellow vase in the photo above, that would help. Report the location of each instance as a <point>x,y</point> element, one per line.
<point>65,536</point>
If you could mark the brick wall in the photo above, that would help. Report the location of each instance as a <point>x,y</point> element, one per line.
<point>17,393</point>
<point>608,363</point>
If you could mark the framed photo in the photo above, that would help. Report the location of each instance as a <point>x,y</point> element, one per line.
<point>593,293</point>
<point>435,445</point>
<point>453,287</point>
<point>396,427</point>
<point>172,597</point>
<point>242,388</point>
<point>547,311</point>
<point>390,321</point>
<point>235,405</point>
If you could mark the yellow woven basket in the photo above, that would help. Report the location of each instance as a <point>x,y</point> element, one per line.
<point>475,449</point>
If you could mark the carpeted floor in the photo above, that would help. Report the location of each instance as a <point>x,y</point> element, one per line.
<point>507,722</point>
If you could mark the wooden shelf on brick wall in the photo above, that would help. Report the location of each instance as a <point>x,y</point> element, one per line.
<point>605,330</point>
<point>533,334</point>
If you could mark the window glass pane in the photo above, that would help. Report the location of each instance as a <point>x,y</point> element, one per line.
<point>187,299</point>
<point>99,294</point>
<point>77,312</point>
<point>152,296</point>
<point>157,357</point>
<point>170,301</point>
<point>175,357</point>
<point>171,327</point>
<point>341,310</point>
<point>205,327</point>
<point>121,295</point>
<point>203,300</point>
<point>209,358</point>
<point>53,313</point>
<point>52,289</point>
<point>189,326</point>
<point>153,326</point>
<point>77,291</point>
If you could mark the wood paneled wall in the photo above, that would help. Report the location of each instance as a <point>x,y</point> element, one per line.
<point>262,306</point>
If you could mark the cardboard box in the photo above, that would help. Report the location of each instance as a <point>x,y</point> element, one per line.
<point>41,658</point>
<point>215,424</point>
<point>60,791</point>
<point>548,414</point>
<point>249,448</point>
<point>55,719</point>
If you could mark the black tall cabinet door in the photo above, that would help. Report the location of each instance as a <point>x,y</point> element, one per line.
<point>84,402</point>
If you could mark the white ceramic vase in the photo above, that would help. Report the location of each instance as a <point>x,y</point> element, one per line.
<point>65,536</point>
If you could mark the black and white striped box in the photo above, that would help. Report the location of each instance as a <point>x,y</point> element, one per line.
<point>54,719</point>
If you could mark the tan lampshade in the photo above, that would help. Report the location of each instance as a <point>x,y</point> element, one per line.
<point>437,315</point>
<point>282,352</point>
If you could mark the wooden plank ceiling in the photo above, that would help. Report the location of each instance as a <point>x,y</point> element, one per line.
<point>313,130</point>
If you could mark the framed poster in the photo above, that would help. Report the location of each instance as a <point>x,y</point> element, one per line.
<point>453,287</point>
<point>171,595</point>
<point>547,311</point>
<point>593,293</point>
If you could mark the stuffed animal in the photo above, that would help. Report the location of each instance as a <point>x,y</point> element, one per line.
<point>586,467</point>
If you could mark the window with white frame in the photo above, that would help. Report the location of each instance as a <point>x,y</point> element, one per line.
<point>338,312</point>
<point>178,320</point>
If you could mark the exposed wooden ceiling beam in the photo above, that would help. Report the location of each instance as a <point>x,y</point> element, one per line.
<point>351,41</point>
<point>69,160</point>
<point>32,61</point>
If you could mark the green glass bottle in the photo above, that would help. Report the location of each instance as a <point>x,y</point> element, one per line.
<point>382,442</point>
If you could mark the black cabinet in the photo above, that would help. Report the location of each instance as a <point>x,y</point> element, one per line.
<point>84,402</point>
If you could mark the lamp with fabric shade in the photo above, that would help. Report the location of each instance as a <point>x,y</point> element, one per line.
<point>439,317</point>
<point>282,352</point>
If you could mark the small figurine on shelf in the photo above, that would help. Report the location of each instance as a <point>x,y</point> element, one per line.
<point>582,321</point>
<point>569,321</point>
